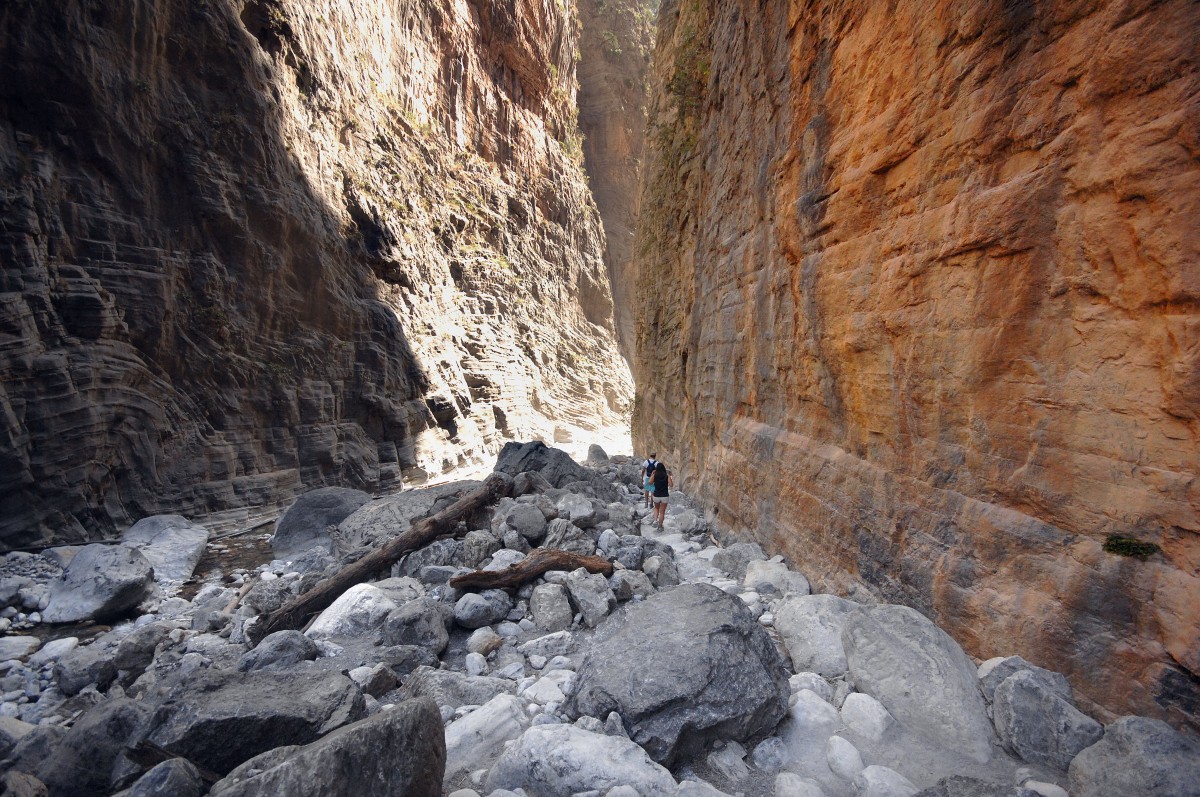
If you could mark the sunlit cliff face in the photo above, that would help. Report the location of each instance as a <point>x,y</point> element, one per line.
<point>931,323</point>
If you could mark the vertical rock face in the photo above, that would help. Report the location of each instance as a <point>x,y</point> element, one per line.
<point>927,318</point>
<point>616,37</point>
<point>258,245</point>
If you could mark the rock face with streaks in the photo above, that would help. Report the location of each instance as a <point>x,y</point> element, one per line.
<point>255,247</point>
<point>917,304</point>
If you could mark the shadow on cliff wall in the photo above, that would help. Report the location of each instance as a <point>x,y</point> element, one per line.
<point>185,324</point>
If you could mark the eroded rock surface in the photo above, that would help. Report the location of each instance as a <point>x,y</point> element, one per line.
<point>917,305</point>
<point>253,248</point>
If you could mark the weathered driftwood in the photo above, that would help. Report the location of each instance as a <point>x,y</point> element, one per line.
<point>298,611</point>
<point>529,568</point>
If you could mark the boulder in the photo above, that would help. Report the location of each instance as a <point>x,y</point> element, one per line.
<point>789,784</point>
<point>560,643</point>
<point>811,627</point>
<point>373,680</point>
<point>550,607</point>
<point>774,578</point>
<point>566,536</point>
<point>484,640</point>
<point>627,584</point>
<point>21,784</point>
<point>423,623</point>
<point>380,520</point>
<point>12,731</point>
<point>530,482</point>
<point>441,553</point>
<point>268,596</point>
<point>843,758</point>
<point>85,761</point>
<point>1034,721</point>
<point>877,781</point>
<point>921,675</point>
<point>590,594</point>
<point>554,465</point>
<point>526,519</point>
<point>83,667</point>
<point>102,582</point>
<point>306,522</point>
<point>218,719</point>
<point>18,647</point>
<point>454,689</point>
<point>280,650</point>
<point>556,760</point>
<point>733,560</point>
<point>172,544</point>
<point>135,652</point>
<point>172,778</point>
<point>661,570</point>
<point>993,672</point>
<point>596,456</point>
<point>578,509</point>
<point>1139,756</point>
<point>475,741</point>
<point>866,716</point>
<point>477,609</point>
<point>705,670</point>
<point>358,612</point>
<point>399,751</point>
<point>478,546</point>
<point>962,786</point>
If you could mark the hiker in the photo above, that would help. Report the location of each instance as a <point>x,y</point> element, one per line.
<point>647,474</point>
<point>662,480</point>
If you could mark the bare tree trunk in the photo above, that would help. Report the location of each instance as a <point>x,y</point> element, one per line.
<point>529,568</point>
<point>297,612</point>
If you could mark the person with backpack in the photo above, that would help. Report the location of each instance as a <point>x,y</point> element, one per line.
<point>661,481</point>
<point>647,474</point>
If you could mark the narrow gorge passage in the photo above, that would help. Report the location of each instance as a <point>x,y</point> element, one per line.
<point>904,295</point>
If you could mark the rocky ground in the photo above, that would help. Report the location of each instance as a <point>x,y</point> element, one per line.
<point>699,667</point>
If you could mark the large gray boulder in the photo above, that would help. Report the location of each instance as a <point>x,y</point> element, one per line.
<point>477,609</point>
<point>556,760</point>
<point>423,622</point>
<point>400,751</point>
<point>526,519</point>
<point>454,689</point>
<point>993,672</point>
<point>172,544</point>
<point>102,582</point>
<point>733,560</point>
<point>705,670</point>
<point>1037,723</point>
<point>389,516</point>
<point>306,522</point>
<point>1137,756</point>
<point>83,667</point>
<point>564,535</point>
<point>921,675</point>
<point>811,627</point>
<point>358,612</point>
<point>550,608</point>
<point>172,778</point>
<point>474,741</point>
<point>218,719</point>
<point>87,759</point>
<point>554,465</point>
<point>279,650</point>
<point>590,595</point>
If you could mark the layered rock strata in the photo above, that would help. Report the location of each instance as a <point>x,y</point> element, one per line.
<point>616,40</point>
<point>252,246</point>
<point>917,307</point>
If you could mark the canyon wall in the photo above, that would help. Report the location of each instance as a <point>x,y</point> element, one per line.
<point>616,40</point>
<point>917,307</point>
<point>256,246</point>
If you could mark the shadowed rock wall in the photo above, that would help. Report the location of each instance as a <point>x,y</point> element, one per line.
<point>253,246</point>
<point>926,318</point>
<point>616,40</point>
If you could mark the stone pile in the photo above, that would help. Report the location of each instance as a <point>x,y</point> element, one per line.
<point>694,669</point>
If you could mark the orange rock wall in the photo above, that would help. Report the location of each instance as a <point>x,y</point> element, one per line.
<point>918,290</point>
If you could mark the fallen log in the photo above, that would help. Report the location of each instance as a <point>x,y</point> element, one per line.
<point>422,532</point>
<point>529,568</point>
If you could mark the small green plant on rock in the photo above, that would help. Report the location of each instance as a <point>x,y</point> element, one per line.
<point>1128,546</point>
